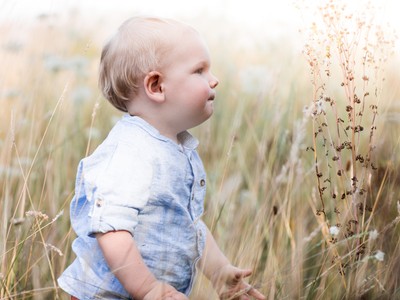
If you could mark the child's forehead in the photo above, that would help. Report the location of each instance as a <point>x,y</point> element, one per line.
<point>188,47</point>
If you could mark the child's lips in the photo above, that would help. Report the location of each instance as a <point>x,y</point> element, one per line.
<point>211,98</point>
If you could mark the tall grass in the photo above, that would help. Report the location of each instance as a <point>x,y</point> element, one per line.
<point>262,193</point>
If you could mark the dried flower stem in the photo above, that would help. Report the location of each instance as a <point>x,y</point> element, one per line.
<point>340,47</point>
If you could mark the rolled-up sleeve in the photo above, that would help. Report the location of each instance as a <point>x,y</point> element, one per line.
<point>118,190</point>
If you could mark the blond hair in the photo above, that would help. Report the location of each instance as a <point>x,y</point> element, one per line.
<point>135,50</point>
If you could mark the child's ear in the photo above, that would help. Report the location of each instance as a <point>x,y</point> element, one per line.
<point>153,86</point>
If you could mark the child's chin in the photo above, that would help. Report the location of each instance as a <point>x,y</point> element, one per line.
<point>209,114</point>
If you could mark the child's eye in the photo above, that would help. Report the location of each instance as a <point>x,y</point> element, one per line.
<point>199,71</point>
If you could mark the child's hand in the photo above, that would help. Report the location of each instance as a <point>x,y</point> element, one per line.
<point>230,285</point>
<point>164,291</point>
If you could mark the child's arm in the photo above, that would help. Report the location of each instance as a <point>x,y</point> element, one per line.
<point>226,278</point>
<point>125,261</point>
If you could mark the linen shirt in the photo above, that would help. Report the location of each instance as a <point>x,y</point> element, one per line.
<point>142,182</point>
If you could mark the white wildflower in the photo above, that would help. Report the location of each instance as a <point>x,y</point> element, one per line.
<point>81,95</point>
<point>316,108</point>
<point>373,234</point>
<point>334,230</point>
<point>54,63</point>
<point>379,255</point>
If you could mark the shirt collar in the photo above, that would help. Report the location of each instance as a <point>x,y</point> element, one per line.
<point>187,140</point>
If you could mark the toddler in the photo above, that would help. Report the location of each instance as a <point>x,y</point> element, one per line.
<point>139,197</point>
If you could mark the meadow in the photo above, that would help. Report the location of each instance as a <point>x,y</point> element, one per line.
<point>272,151</point>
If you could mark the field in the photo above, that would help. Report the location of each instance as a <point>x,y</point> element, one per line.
<point>282,197</point>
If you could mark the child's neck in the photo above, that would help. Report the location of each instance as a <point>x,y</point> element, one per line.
<point>163,129</point>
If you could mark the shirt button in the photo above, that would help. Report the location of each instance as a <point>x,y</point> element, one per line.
<point>202,182</point>
<point>99,202</point>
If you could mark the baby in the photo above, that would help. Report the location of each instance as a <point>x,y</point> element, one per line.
<point>139,197</point>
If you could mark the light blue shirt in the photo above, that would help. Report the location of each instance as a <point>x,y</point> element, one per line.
<point>142,182</point>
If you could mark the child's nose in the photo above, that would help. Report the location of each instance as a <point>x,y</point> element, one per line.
<point>213,82</point>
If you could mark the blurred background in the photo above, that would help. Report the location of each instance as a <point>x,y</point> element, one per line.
<point>261,198</point>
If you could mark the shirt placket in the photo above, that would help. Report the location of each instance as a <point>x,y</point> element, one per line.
<point>194,212</point>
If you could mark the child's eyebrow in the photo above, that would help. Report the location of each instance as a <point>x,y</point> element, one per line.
<point>203,63</point>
